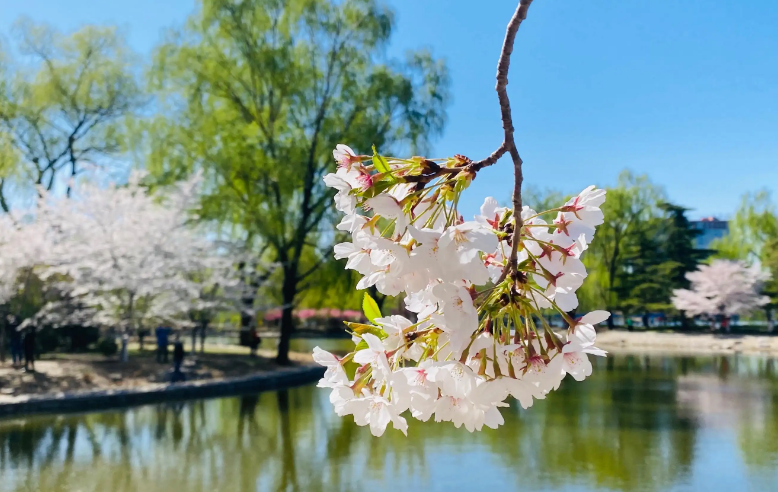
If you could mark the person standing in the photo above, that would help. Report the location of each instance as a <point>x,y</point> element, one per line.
<point>29,350</point>
<point>178,359</point>
<point>254,341</point>
<point>16,347</point>
<point>162,333</point>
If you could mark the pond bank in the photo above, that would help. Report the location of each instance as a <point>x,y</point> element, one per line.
<point>81,382</point>
<point>83,401</point>
<point>686,343</point>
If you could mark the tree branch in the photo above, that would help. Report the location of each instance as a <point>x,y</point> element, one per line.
<point>509,145</point>
<point>3,202</point>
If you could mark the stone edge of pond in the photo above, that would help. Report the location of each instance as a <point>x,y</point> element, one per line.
<point>107,399</point>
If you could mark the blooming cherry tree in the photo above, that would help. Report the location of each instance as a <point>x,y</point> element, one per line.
<point>722,288</point>
<point>477,287</point>
<point>130,258</point>
<point>23,244</point>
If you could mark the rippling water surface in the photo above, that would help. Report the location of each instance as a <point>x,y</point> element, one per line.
<point>640,423</point>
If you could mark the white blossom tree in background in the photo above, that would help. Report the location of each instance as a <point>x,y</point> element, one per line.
<point>723,288</point>
<point>123,259</point>
<point>23,243</point>
<point>219,284</point>
<point>130,258</point>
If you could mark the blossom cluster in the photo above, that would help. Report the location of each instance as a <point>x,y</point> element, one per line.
<point>478,290</point>
<point>122,257</point>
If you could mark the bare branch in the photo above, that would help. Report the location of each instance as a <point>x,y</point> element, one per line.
<point>509,145</point>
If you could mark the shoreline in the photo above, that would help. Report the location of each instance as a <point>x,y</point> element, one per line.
<point>102,399</point>
<point>615,341</point>
<point>677,343</point>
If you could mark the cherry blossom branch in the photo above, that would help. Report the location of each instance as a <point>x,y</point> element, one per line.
<point>509,144</point>
<point>428,251</point>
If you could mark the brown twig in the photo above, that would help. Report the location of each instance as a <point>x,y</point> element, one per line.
<point>509,144</point>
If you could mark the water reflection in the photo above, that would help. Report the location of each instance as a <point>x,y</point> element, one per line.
<point>640,424</point>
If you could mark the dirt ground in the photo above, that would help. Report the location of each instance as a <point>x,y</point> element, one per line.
<point>687,343</point>
<point>59,373</point>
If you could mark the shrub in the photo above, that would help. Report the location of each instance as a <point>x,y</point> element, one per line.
<point>108,346</point>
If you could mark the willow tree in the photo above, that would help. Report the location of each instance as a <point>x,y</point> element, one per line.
<point>63,104</point>
<point>257,93</point>
<point>632,207</point>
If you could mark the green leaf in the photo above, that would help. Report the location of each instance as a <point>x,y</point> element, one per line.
<point>382,166</point>
<point>370,308</point>
<point>350,368</point>
<point>379,162</point>
<point>360,329</point>
<point>377,189</point>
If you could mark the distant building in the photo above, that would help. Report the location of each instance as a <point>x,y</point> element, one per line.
<point>712,228</point>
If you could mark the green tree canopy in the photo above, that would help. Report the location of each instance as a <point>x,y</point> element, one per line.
<point>630,209</point>
<point>754,225</point>
<point>256,93</point>
<point>656,261</point>
<point>63,104</point>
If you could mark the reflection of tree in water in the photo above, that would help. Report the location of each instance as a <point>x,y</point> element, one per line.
<point>623,429</point>
<point>758,429</point>
<point>288,475</point>
<point>724,368</point>
<point>758,437</point>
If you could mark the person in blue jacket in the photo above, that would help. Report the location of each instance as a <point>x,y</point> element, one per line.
<point>163,334</point>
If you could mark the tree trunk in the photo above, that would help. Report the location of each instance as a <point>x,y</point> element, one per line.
<point>611,281</point>
<point>287,322</point>
<point>645,320</point>
<point>125,336</point>
<point>202,337</point>
<point>194,340</point>
<point>768,314</point>
<point>3,329</point>
<point>684,321</point>
<point>125,355</point>
<point>288,471</point>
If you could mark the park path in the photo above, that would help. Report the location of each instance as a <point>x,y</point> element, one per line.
<point>690,343</point>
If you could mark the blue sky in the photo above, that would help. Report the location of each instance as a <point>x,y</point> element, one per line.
<point>685,91</point>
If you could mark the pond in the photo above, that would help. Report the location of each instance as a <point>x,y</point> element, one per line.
<point>640,423</point>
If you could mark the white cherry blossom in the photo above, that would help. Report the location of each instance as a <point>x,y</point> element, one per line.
<point>472,344</point>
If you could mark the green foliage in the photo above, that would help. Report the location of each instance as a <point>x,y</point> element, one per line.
<point>370,308</point>
<point>631,206</point>
<point>641,252</point>
<point>380,163</point>
<point>108,346</point>
<point>256,94</point>
<point>361,328</point>
<point>67,104</point>
<point>769,259</point>
<point>541,199</point>
<point>656,262</point>
<point>754,225</point>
